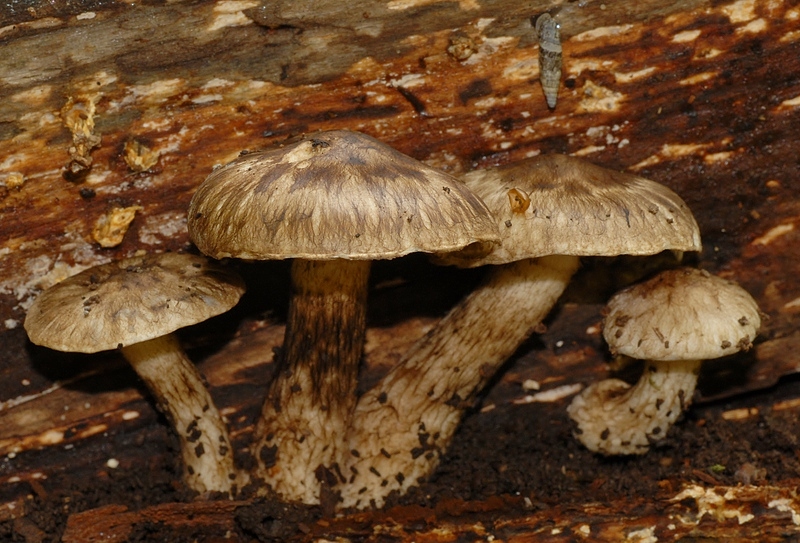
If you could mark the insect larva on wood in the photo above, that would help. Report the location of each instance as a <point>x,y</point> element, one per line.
<point>548,32</point>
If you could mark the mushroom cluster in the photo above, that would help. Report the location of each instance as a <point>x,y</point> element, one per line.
<point>332,203</point>
<point>550,210</point>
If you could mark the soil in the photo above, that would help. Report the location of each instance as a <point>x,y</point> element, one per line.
<point>510,458</point>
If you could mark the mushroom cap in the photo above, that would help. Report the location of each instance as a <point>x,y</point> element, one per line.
<point>133,300</point>
<point>681,314</point>
<point>336,194</point>
<point>561,205</point>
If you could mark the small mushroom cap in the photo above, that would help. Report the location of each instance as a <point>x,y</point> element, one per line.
<point>336,194</point>
<point>681,314</point>
<point>561,205</point>
<point>130,301</point>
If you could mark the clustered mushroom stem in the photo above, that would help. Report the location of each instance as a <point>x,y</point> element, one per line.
<point>181,393</point>
<point>305,416</point>
<point>615,418</point>
<point>401,426</point>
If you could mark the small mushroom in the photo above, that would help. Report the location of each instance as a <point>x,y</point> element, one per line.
<point>550,210</point>
<point>674,321</point>
<point>134,305</point>
<point>333,202</point>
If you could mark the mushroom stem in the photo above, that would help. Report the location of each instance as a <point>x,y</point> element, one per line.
<point>403,425</point>
<point>181,394</point>
<point>304,418</point>
<point>615,418</point>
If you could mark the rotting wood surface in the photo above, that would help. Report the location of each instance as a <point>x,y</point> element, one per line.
<point>113,109</point>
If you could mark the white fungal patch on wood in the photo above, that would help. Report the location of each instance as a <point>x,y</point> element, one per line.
<point>588,150</point>
<point>790,37</point>
<point>773,234</point>
<point>741,11</point>
<point>464,5</point>
<point>603,32</point>
<point>698,78</point>
<point>599,99</point>
<point>791,103</point>
<point>671,150</point>
<point>548,32</point>
<point>718,503</point>
<point>753,27</point>
<point>489,47</point>
<point>686,36</point>
<point>522,70</point>
<point>231,13</point>
<point>34,97</point>
<point>644,535</point>
<point>158,228</point>
<point>627,77</point>
<point>722,156</point>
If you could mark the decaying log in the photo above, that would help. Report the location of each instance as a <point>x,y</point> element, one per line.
<point>732,514</point>
<point>112,113</point>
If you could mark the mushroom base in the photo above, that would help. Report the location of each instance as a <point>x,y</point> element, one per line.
<point>615,418</point>
<point>404,424</point>
<point>304,419</point>
<point>181,394</point>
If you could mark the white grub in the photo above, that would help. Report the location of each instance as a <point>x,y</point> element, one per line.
<point>550,55</point>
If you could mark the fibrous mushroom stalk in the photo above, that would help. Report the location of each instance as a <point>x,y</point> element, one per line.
<point>305,416</point>
<point>403,425</point>
<point>615,418</point>
<point>181,394</point>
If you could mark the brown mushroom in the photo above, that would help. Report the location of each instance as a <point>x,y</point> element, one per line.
<point>674,321</point>
<point>332,202</point>
<point>134,305</point>
<point>550,210</point>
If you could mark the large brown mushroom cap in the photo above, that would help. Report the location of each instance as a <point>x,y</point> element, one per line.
<point>682,314</point>
<point>130,301</point>
<point>337,194</point>
<point>561,205</point>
